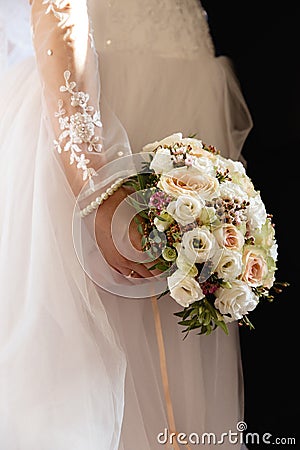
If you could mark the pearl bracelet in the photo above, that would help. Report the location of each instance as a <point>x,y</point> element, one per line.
<point>102,197</point>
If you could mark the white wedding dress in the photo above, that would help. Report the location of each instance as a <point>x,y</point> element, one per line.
<point>79,365</point>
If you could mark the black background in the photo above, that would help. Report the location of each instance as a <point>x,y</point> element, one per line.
<point>262,39</point>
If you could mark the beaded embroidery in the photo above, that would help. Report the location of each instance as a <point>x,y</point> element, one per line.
<point>78,129</point>
<point>53,7</point>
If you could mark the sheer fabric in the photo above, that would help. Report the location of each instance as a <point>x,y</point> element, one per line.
<point>71,351</point>
<point>62,369</point>
<point>15,36</point>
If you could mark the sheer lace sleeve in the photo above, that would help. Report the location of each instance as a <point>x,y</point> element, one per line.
<point>68,67</point>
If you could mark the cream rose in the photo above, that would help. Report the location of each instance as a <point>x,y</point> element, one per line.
<point>199,245</point>
<point>255,267</point>
<point>168,141</point>
<point>198,150</point>
<point>189,181</point>
<point>227,264</point>
<point>184,289</point>
<point>229,236</point>
<point>196,144</point>
<point>235,302</point>
<point>185,209</point>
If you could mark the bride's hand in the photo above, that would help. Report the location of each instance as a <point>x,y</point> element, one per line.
<point>105,241</point>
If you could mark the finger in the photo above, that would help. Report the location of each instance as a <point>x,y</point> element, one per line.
<point>135,271</point>
<point>141,270</point>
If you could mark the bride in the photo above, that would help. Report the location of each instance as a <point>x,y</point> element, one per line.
<point>79,361</point>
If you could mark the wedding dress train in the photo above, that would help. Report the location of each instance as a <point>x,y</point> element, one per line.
<point>79,365</point>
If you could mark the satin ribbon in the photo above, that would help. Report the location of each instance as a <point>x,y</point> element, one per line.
<point>164,373</point>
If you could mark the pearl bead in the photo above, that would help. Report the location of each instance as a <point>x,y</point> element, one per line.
<point>102,197</point>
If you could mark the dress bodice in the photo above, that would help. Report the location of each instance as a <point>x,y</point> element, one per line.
<point>170,27</point>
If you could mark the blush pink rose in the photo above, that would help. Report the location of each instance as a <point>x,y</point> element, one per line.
<point>255,267</point>
<point>230,237</point>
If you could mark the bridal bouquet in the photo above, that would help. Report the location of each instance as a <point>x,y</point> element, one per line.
<point>206,227</point>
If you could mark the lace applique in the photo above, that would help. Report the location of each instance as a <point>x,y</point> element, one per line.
<point>79,128</point>
<point>54,6</point>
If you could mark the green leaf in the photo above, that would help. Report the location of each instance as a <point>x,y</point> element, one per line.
<point>181,314</point>
<point>211,309</point>
<point>144,215</point>
<point>144,241</point>
<point>163,293</point>
<point>161,266</point>
<point>222,325</point>
<point>162,219</point>
<point>138,205</point>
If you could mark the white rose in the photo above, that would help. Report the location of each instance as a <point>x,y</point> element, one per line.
<point>199,245</point>
<point>184,289</point>
<point>169,141</point>
<point>256,213</point>
<point>227,264</point>
<point>185,209</point>
<point>236,301</point>
<point>162,161</point>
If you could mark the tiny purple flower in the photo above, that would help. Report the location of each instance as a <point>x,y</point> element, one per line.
<point>159,200</point>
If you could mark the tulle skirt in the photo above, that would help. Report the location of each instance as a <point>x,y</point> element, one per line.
<point>79,366</point>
